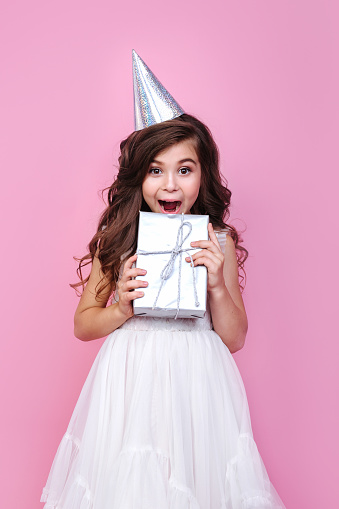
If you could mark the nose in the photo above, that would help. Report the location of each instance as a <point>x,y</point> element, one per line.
<point>170,183</point>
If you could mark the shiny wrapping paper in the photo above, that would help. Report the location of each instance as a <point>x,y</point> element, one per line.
<point>158,232</point>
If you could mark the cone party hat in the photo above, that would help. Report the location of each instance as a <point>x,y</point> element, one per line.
<point>152,102</point>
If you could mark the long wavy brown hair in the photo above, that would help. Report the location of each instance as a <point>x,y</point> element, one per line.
<point>116,236</point>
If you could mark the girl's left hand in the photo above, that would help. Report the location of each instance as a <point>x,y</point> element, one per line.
<point>212,257</point>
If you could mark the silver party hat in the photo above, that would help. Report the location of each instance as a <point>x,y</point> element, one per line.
<point>152,103</point>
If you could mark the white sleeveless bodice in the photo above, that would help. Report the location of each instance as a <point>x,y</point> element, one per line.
<point>139,323</point>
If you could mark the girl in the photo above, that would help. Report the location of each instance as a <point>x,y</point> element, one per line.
<point>162,420</point>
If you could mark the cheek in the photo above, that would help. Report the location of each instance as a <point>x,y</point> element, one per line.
<point>196,187</point>
<point>147,188</point>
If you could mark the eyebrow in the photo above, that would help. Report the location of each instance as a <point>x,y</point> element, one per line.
<point>187,159</point>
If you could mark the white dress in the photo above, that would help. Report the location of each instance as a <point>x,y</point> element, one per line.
<point>162,422</point>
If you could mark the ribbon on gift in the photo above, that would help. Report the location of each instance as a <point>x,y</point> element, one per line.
<point>169,267</point>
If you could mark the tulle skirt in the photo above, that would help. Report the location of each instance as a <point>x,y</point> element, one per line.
<point>162,422</point>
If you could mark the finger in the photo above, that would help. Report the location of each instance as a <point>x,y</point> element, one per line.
<point>206,244</point>
<point>213,255</point>
<point>126,302</point>
<point>129,262</point>
<point>132,259</point>
<point>207,262</point>
<point>132,284</point>
<point>128,273</point>
<point>213,236</point>
<point>136,294</point>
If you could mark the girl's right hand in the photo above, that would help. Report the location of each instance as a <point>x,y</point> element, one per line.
<point>128,288</point>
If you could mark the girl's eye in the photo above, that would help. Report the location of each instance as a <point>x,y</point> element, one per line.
<point>184,170</point>
<point>154,171</point>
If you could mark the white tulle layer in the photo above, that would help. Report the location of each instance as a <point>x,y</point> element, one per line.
<point>162,422</point>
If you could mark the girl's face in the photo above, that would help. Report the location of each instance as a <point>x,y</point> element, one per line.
<point>172,182</point>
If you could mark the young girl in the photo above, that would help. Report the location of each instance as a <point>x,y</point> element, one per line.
<point>162,420</point>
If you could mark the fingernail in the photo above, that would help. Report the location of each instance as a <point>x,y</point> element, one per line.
<point>193,243</point>
<point>187,259</point>
<point>141,293</point>
<point>144,283</point>
<point>143,271</point>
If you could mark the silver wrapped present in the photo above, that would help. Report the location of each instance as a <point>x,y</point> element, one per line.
<point>175,288</point>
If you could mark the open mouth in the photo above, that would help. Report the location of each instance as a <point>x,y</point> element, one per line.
<point>170,207</point>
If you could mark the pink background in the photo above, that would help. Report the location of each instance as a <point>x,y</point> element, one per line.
<point>263,75</point>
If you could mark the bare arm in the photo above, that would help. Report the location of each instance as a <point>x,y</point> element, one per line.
<point>226,303</point>
<point>92,319</point>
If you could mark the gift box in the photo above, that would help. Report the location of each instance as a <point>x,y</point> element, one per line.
<point>175,288</point>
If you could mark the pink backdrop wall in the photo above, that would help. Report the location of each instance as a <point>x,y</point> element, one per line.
<point>263,75</point>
